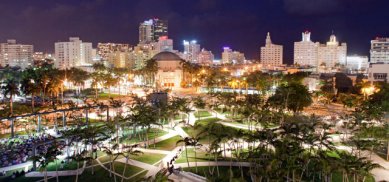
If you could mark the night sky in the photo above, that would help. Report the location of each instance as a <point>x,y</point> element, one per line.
<point>240,24</point>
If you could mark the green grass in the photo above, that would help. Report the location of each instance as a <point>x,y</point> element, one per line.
<point>67,166</point>
<point>201,156</point>
<point>152,133</point>
<point>105,96</point>
<point>338,177</point>
<point>168,144</point>
<point>148,158</point>
<point>202,114</point>
<point>224,173</point>
<point>180,116</point>
<point>206,121</point>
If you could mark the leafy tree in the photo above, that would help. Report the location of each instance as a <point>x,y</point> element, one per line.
<point>293,97</point>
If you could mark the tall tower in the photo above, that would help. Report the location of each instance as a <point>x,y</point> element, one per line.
<point>271,54</point>
<point>305,51</point>
<point>151,30</point>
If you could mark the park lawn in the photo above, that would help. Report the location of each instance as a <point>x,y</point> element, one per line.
<point>201,156</point>
<point>338,177</point>
<point>106,96</point>
<point>103,175</point>
<point>168,144</point>
<point>67,166</point>
<point>206,121</point>
<point>148,158</point>
<point>223,171</point>
<point>180,117</point>
<point>202,114</point>
<point>152,133</point>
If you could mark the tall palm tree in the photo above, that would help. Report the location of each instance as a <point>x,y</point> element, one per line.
<point>128,150</point>
<point>28,85</point>
<point>187,141</point>
<point>45,157</point>
<point>10,87</point>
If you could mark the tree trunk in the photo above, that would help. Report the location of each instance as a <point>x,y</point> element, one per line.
<point>195,158</point>
<point>186,153</point>
<point>78,166</point>
<point>124,170</point>
<point>32,103</point>
<point>11,105</point>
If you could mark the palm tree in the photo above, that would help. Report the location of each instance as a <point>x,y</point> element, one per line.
<point>113,155</point>
<point>45,157</point>
<point>80,157</point>
<point>199,103</point>
<point>28,85</point>
<point>128,151</point>
<point>10,87</point>
<point>187,141</point>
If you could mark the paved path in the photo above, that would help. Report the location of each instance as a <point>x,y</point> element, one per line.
<point>152,170</point>
<point>213,163</point>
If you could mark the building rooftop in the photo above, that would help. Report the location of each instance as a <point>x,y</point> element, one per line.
<point>166,56</point>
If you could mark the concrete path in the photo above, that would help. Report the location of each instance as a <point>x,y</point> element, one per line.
<point>152,170</point>
<point>213,163</point>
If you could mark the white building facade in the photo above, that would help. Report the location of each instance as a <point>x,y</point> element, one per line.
<point>205,57</point>
<point>271,54</point>
<point>306,51</point>
<point>73,53</point>
<point>378,72</point>
<point>16,55</point>
<point>379,52</point>
<point>333,53</point>
<point>232,57</point>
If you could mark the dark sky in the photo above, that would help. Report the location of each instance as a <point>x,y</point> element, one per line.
<point>240,24</point>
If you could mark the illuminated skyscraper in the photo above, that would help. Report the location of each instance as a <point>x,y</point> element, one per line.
<point>379,52</point>
<point>232,57</point>
<point>191,51</point>
<point>305,51</point>
<point>205,57</point>
<point>13,54</point>
<point>73,53</point>
<point>271,54</point>
<point>333,53</point>
<point>151,30</point>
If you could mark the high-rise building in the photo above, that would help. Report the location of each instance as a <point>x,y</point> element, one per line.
<point>163,44</point>
<point>191,51</point>
<point>271,54</point>
<point>333,53</point>
<point>379,52</point>
<point>73,53</point>
<point>104,49</point>
<point>305,51</point>
<point>120,59</point>
<point>140,55</point>
<point>151,30</point>
<point>205,57</point>
<point>16,55</point>
<point>232,57</point>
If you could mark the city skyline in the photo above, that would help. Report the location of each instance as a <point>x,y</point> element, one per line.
<point>242,26</point>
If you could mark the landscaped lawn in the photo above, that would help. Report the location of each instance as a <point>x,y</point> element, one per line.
<point>206,121</point>
<point>149,158</point>
<point>153,133</point>
<point>105,96</point>
<point>168,144</point>
<point>200,155</point>
<point>202,114</point>
<point>67,166</point>
<point>224,173</point>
